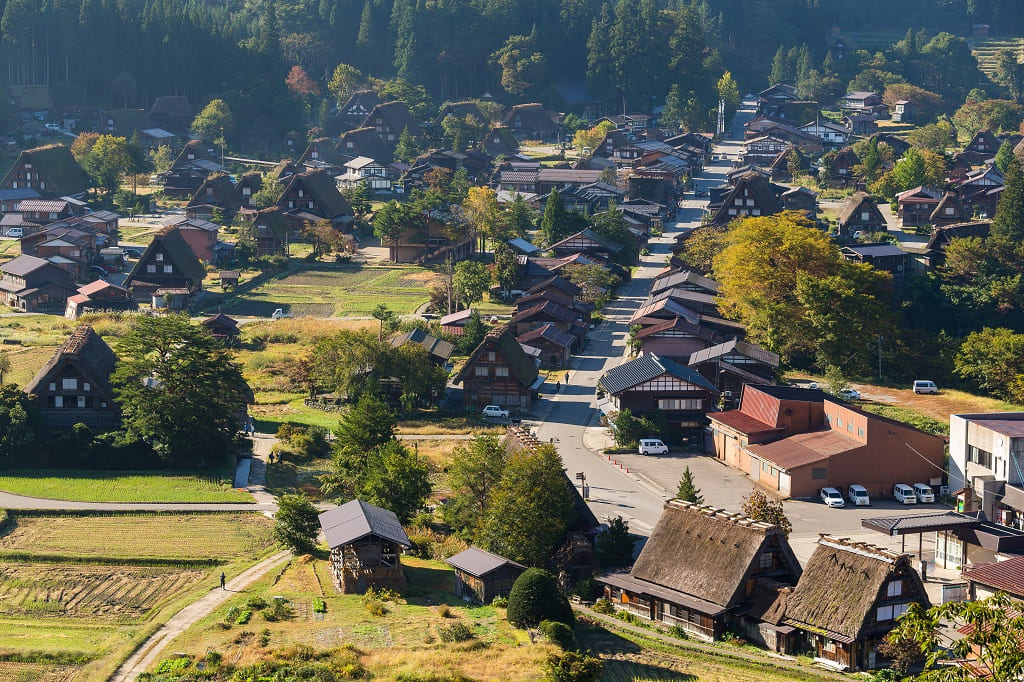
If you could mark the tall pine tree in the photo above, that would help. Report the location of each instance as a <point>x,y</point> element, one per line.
<point>1008,223</point>
<point>553,226</point>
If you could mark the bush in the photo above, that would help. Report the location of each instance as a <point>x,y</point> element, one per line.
<point>232,615</point>
<point>456,632</point>
<point>604,606</point>
<point>678,632</point>
<point>587,589</point>
<point>571,666</point>
<point>255,603</point>
<point>500,602</point>
<point>535,596</point>
<point>628,617</point>
<point>444,611</point>
<point>244,617</point>
<point>319,605</point>
<point>179,664</point>
<point>375,607</point>
<point>265,637</point>
<point>279,611</point>
<point>556,633</point>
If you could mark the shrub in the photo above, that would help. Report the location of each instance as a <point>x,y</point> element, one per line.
<point>244,617</point>
<point>535,597</point>
<point>587,589</point>
<point>570,666</point>
<point>232,615</point>
<point>444,611</point>
<point>604,606</point>
<point>319,605</point>
<point>375,607</point>
<point>556,633</point>
<point>628,617</point>
<point>278,611</point>
<point>456,632</point>
<point>213,658</point>
<point>178,664</point>
<point>678,632</point>
<point>500,602</point>
<point>265,637</point>
<point>255,603</point>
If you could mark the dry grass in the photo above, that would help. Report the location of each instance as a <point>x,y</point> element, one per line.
<point>37,672</point>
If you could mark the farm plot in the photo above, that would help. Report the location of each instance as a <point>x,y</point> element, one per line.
<point>223,537</point>
<point>123,486</point>
<point>119,594</point>
<point>36,672</point>
<point>337,291</point>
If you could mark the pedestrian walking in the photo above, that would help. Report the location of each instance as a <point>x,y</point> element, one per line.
<point>223,581</point>
<point>566,378</point>
<point>558,386</point>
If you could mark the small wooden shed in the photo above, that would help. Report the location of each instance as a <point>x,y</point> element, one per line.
<point>366,543</point>
<point>482,576</point>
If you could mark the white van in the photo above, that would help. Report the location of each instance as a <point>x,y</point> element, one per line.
<point>652,446</point>
<point>16,232</point>
<point>922,386</point>
<point>904,494</point>
<point>858,495</point>
<point>924,493</point>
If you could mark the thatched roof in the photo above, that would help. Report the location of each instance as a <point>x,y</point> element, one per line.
<point>54,164</point>
<point>707,552</point>
<point>217,190</point>
<point>521,367</point>
<point>323,191</point>
<point>364,142</point>
<point>395,116</point>
<point>88,353</point>
<point>841,584</point>
<point>531,119</point>
<point>270,222</point>
<point>460,110</point>
<point>754,186</point>
<point>172,106</point>
<point>177,249</point>
<point>859,202</point>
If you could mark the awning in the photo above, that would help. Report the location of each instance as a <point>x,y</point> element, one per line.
<point>920,523</point>
<point>535,386</point>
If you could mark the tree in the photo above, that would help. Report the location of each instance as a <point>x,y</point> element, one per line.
<point>529,509</point>
<point>572,666</point>
<point>506,267</point>
<point>343,82</point>
<point>520,218</point>
<point>107,160</point>
<point>991,642</point>
<point>687,491</point>
<point>473,473</point>
<point>675,108</point>
<point>5,364</point>
<point>835,379</point>
<point>20,422</point>
<point>1008,223</point>
<point>392,220</point>
<point>615,545</point>
<point>553,225</point>
<point>215,120</point>
<point>729,91</point>
<point>407,148</point>
<point>627,428</point>
<point>299,82</point>
<point>1003,156</point>
<point>909,171</point>
<point>295,523</point>
<point>179,390</point>
<point>384,315</point>
<point>471,281</point>
<point>591,138</point>
<point>934,136</point>
<point>760,507</point>
<point>483,213</point>
<point>993,360</point>
<point>1008,73</point>
<point>366,425</point>
<point>597,282</point>
<point>395,478</point>
<point>535,596</point>
<point>927,104</point>
<point>701,247</point>
<point>162,158</point>
<point>994,114</point>
<point>520,66</point>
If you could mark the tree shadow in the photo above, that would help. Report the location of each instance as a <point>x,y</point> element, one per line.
<point>428,586</point>
<point>600,640</point>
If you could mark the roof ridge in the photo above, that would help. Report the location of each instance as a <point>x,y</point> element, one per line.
<point>864,549</point>
<point>720,514</point>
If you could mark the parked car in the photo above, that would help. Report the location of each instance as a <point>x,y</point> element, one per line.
<point>53,127</point>
<point>849,394</point>
<point>132,252</point>
<point>832,498</point>
<point>858,495</point>
<point>98,271</point>
<point>904,494</point>
<point>813,385</point>
<point>16,232</point>
<point>279,314</point>
<point>652,446</point>
<point>495,412</point>
<point>924,493</point>
<point>925,386</point>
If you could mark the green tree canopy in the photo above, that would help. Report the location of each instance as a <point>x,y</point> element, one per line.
<point>473,473</point>
<point>535,596</point>
<point>296,524</point>
<point>471,281</point>
<point>215,120</point>
<point>395,478</point>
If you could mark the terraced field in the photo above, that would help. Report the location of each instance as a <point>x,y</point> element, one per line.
<point>985,52</point>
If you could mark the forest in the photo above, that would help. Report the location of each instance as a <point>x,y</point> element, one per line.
<point>626,54</point>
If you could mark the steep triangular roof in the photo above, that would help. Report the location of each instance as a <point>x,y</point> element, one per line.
<point>217,190</point>
<point>520,365</point>
<point>180,253</point>
<point>396,116</point>
<point>759,188</point>
<point>859,202</point>
<point>949,200</point>
<point>196,149</point>
<point>54,164</point>
<point>88,353</point>
<point>364,142</point>
<point>323,191</point>
<point>460,110</point>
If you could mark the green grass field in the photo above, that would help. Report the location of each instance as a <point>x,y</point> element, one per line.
<point>123,486</point>
<point>89,588</point>
<point>336,291</point>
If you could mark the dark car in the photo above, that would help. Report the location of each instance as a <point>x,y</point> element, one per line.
<point>132,252</point>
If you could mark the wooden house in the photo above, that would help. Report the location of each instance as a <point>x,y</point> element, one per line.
<point>649,384</point>
<point>98,296</point>
<point>270,232</point>
<point>731,365</point>
<point>51,170</point>
<point>459,110</point>
<point>676,338</point>
<point>248,185</point>
<point>481,576</point>
<point>848,599</point>
<point>702,569</point>
<point>439,351</point>
<point>454,323</point>
<point>684,279</point>
<point>194,163</point>
<point>948,211</point>
<point>752,195</point>
<point>942,237</point>
<point>860,214</point>
<point>554,344</point>
<point>173,113</point>
<point>216,194</point>
<point>73,248</point>
<point>531,121</point>
<point>984,142</point>
<point>366,544</point>
<point>863,101</point>
<point>429,242</point>
<point>831,134</point>
<point>312,197</point>
<point>221,327</point>
<point>390,120</point>
<point>777,101</point>
<point>587,242</point>
<point>498,372</point>
<point>564,318</point>
<point>915,206</point>
<point>74,385</point>
<point>377,176</point>
<point>986,579</point>
<point>888,257</point>
<point>781,166</point>
<point>33,284</point>
<point>322,154</point>
<point>353,112</point>
<point>841,169</point>
<point>365,142</point>
<point>903,111</point>
<point>800,199</point>
<point>167,263</point>
<point>124,122</point>
<point>500,141</point>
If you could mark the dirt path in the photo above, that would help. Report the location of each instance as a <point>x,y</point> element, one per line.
<point>146,654</point>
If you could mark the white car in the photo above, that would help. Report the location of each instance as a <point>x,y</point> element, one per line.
<point>652,446</point>
<point>813,385</point>
<point>849,394</point>
<point>53,127</point>
<point>832,498</point>
<point>495,412</point>
<point>925,386</point>
<point>858,495</point>
<point>279,314</point>
<point>925,494</point>
<point>904,494</point>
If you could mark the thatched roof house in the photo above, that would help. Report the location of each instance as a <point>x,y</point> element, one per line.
<point>711,590</point>
<point>50,170</point>
<point>849,598</point>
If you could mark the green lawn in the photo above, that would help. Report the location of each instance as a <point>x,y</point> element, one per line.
<point>123,486</point>
<point>336,291</point>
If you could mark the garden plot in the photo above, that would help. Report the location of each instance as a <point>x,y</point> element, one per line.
<point>37,672</point>
<point>110,593</point>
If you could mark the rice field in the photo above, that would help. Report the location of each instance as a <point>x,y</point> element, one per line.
<point>37,672</point>
<point>142,536</point>
<point>124,486</point>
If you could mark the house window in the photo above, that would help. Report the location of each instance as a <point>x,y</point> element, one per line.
<point>765,467</point>
<point>491,356</point>
<point>53,386</point>
<point>301,194</point>
<point>839,422</point>
<point>949,210</point>
<point>501,371</point>
<point>979,456</point>
<point>766,561</point>
<point>829,646</point>
<point>159,256</point>
<point>81,401</point>
<point>894,589</point>
<point>849,426</point>
<point>168,269</point>
<point>842,171</point>
<point>819,473</point>
<point>480,371</point>
<point>865,217</point>
<point>891,612</point>
<point>58,401</point>
<point>69,384</point>
<point>739,202</point>
<point>680,403</point>
<point>85,386</point>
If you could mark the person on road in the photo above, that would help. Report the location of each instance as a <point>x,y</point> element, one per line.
<point>223,581</point>
<point>566,378</point>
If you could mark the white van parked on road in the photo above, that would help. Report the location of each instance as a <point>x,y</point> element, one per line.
<point>904,494</point>
<point>925,494</point>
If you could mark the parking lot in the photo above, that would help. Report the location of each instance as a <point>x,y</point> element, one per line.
<point>723,486</point>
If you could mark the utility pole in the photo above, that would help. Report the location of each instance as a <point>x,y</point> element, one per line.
<point>879,356</point>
